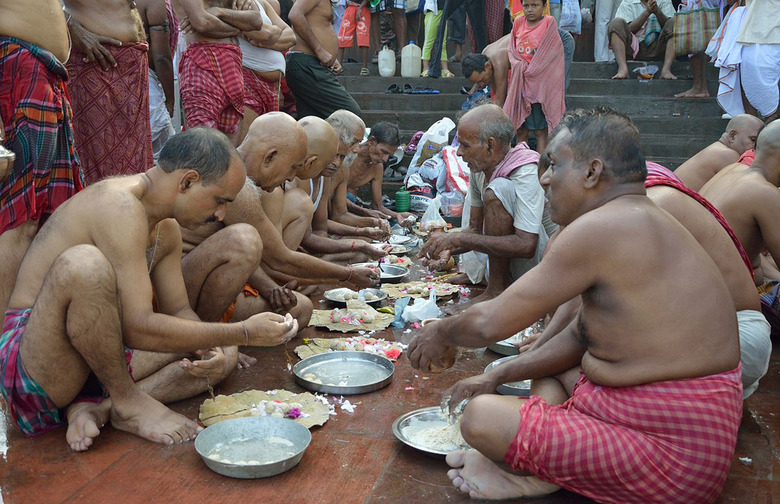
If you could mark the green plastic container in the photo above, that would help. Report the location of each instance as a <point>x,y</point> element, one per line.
<point>402,200</point>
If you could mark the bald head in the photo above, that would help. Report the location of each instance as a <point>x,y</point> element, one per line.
<point>490,121</point>
<point>322,144</point>
<point>768,142</point>
<point>274,145</point>
<point>349,127</point>
<point>741,132</point>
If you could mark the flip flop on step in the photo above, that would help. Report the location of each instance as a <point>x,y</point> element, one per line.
<point>425,91</point>
<point>393,88</point>
<point>364,72</point>
<point>408,89</point>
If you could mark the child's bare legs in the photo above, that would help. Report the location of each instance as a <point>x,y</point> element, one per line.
<point>426,64</point>
<point>522,135</point>
<point>364,54</point>
<point>541,140</point>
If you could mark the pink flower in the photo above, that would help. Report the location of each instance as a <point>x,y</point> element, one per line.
<point>393,353</point>
<point>294,413</point>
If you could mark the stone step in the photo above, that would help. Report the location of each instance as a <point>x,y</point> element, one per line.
<point>667,146</point>
<point>604,70</point>
<point>446,103</point>
<point>654,106</point>
<point>634,87</point>
<point>358,84</point>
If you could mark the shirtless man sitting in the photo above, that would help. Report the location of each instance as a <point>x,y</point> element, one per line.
<point>272,151</point>
<point>636,357</point>
<point>96,260</point>
<point>351,130</point>
<point>507,203</point>
<point>749,200</point>
<point>740,136</point>
<point>367,168</point>
<point>311,190</point>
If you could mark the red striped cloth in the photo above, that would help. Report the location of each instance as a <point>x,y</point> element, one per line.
<point>541,81</point>
<point>212,85</point>
<point>111,112</point>
<point>260,95</point>
<point>660,175</point>
<point>664,442</point>
<point>35,108</point>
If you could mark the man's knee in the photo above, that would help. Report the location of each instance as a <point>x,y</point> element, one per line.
<point>303,310</point>
<point>83,266</point>
<point>619,27</point>
<point>476,419</point>
<point>242,243</point>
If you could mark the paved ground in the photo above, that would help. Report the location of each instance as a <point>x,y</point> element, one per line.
<point>353,458</point>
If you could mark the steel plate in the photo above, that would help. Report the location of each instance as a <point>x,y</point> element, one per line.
<point>408,424</point>
<point>346,372</point>
<point>333,295</point>
<point>389,272</point>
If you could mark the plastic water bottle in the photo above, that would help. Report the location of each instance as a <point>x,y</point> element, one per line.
<point>386,62</point>
<point>411,60</point>
<point>402,200</point>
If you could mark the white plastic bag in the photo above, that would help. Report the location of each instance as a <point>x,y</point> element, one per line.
<point>422,309</point>
<point>420,193</point>
<point>432,219</point>
<point>571,17</point>
<point>432,141</point>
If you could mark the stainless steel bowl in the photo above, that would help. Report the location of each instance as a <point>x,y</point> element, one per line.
<point>253,447</point>
<point>346,372</point>
<point>405,426</point>
<point>390,273</point>
<point>521,388</point>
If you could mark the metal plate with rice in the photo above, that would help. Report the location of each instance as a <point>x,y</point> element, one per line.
<point>337,295</point>
<point>344,373</point>
<point>520,388</point>
<point>253,447</point>
<point>409,427</point>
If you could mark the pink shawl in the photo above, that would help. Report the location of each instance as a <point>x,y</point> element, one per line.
<point>541,81</point>
<point>519,156</point>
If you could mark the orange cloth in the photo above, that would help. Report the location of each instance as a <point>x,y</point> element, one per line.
<point>540,81</point>
<point>248,290</point>
<point>529,40</point>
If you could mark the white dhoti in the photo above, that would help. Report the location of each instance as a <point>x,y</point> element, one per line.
<point>755,348</point>
<point>760,76</point>
<point>726,54</point>
<point>160,120</point>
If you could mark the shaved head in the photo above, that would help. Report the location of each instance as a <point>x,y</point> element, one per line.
<point>322,144</point>
<point>768,143</point>
<point>741,121</point>
<point>274,145</point>
<point>741,133</point>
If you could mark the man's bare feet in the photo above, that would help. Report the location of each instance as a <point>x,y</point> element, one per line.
<point>667,75</point>
<point>481,478</point>
<point>694,92</point>
<point>621,74</point>
<point>460,279</point>
<point>85,420</point>
<point>245,361</point>
<point>149,419</point>
<point>485,296</point>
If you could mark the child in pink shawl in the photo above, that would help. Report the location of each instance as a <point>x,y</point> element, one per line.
<point>535,95</point>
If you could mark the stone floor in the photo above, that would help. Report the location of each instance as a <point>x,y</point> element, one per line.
<point>353,458</point>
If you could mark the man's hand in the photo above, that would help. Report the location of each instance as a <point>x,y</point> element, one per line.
<point>327,59</point>
<point>437,264</point>
<point>244,361</point>
<point>406,219</point>
<point>436,246</point>
<point>282,299</point>
<point>652,6</point>
<point>371,251</point>
<point>528,343</point>
<point>427,346</point>
<point>185,27</point>
<point>469,388</point>
<point>244,5</point>
<point>384,225</point>
<point>364,277</point>
<point>336,67</point>
<point>270,329</point>
<point>92,45</point>
<point>211,364</point>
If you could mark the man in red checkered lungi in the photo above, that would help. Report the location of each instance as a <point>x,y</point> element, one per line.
<point>654,412</point>
<point>211,81</point>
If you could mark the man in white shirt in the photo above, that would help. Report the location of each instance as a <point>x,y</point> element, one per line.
<point>641,30</point>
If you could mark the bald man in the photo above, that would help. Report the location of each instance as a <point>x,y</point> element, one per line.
<point>749,200</point>
<point>272,151</point>
<point>740,135</point>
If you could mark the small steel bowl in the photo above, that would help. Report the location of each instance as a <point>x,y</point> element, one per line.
<point>390,273</point>
<point>521,388</point>
<point>252,439</point>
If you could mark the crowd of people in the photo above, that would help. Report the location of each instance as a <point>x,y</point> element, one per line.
<point>137,258</point>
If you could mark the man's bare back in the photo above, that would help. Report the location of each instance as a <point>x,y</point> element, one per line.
<point>23,19</point>
<point>117,19</point>
<point>706,164</point>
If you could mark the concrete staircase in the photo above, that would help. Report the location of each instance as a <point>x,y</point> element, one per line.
<point>672,129</point>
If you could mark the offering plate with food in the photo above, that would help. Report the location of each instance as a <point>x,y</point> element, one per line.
<point>420,289</point>
<point>357,316</point>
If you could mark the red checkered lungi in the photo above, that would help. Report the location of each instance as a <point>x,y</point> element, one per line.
<point>212,85</point>
<point>111,112</point>
<point>260,95</point>
<point>664,442</point>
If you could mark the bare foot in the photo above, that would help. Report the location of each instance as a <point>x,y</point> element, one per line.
<point>245,361</point>
<point>84,422</point>
<point>667,76</point>
<point>694,93</point>
<point>307,290</point>
<point>485,296</point>
<point>460,279</point>
<point>621,74</point>
<point>481,478</point>
<point>145,417</point>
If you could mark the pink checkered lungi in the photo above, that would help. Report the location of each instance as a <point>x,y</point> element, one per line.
<point>260,95</point>
<point>664,442</point>
<point>212,85</point>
